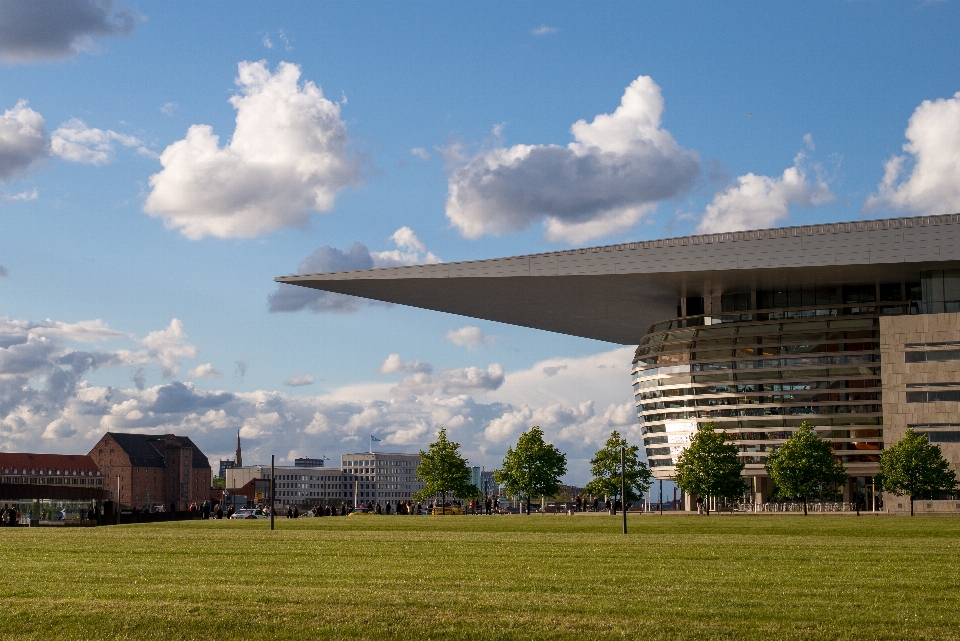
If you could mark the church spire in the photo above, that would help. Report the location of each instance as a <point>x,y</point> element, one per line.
<point>238,460</point>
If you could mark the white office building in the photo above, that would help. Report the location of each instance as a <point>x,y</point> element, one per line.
<point>382,477</point>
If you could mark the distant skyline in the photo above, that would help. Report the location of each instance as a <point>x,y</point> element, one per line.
<point>160,163</point>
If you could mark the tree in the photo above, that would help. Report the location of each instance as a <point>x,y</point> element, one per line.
<point>534,468</point>
<point>219,483</point>
<point>443,470</point>
<point>914,467</point>
<point>805,465</point>
<point>606,471</point>
<point>709,467</point>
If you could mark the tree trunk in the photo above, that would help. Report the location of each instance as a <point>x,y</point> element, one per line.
<point>911,505</point>
<point>804,506</point>
<point>706,504</point>
<point>528,506</point>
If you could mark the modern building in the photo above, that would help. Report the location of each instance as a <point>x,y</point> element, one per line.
<point>295,485</point>
<point>153,470</point>
<point>852,326</point>
<point>382,476</point>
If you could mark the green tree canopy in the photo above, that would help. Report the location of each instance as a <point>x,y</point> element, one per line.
<point>606,471</point>
<point>914,467</point>
<point>443,470</point>
<point>218,482</point>
<point>709,467</point>
<point>805,465</point>
<point>534,468</point>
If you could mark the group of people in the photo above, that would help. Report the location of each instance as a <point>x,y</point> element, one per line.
<point>583,504</point>
<point>9,515</point>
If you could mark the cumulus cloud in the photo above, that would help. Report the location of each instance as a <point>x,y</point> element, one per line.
<point>759,202</point>
<point>925,180</point>
<point>206,370</point>
<point>74,141</point>
<point>463,380</point>
<point>42,373</point>
<point>292,298</point>
<point>46,400</point>
<point>48,29</point>
<point>420,153</point>
<point>396,365</point>
<point>23,140</point>
<point>300,380</point>
<point>287,159</point>
<point>470,337</point>
<point>169,347</point>
<point>617,169</point>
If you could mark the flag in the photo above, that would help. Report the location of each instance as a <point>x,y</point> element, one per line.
<point>374,438</point>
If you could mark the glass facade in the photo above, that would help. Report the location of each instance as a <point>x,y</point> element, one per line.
<point>767,362</point>
<point>941,291</point>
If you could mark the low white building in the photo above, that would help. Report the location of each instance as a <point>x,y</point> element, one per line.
<point>379,477</point>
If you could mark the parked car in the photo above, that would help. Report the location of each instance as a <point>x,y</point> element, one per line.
<point>359,510</point>
<point>249,513</point>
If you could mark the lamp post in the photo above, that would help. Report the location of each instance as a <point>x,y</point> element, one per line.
<point>273,483</point>
<point>623,486</point>
<point>118,499</point>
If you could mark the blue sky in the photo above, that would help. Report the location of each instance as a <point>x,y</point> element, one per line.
<point>139,260</point>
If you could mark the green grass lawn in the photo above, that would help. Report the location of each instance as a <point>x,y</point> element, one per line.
<point>405,577</point>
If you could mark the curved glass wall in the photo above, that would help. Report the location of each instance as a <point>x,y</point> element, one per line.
<point>760,374</point>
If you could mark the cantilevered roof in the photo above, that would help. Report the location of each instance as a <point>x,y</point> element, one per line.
<point>613,293</point>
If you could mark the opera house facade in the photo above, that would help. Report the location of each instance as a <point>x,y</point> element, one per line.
<point>854,327</point>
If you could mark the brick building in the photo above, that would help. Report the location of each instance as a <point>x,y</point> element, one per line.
<point>154,470</point>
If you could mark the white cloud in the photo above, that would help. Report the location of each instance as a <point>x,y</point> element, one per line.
<point>300,380</point>
<point>463,380</point>
<point>168,346</point>
<point>23,140</point>
<point>404,238</point>
<point>32,194</point>
<point>543,30</point>
<point>40,29</point>
<point>759,202</point>
<point>617,169</point>
<point>396,365</point>
<point>470,337</point>
<point>926,180</point>
<point>169,108</point>
<point>46,401</point>
<point>292,298</point>
<point>206,370</point>
<point>267,42</point>
<point>59,429</point>
<point>287,158</point>
<point>420,153</point>
<point>76,142</point>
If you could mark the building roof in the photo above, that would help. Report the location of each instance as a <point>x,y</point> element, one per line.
<point>57,462</point>
<point>613,293</point>
<point>143,451</point>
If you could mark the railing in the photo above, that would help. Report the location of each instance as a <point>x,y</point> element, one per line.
<point>796,506</point>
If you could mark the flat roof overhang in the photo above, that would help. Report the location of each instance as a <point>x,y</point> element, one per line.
<point>613,293</point>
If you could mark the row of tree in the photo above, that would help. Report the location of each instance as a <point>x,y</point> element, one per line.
<point>802,468</point>
<point>805,466</point>
<point>532,468</point>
